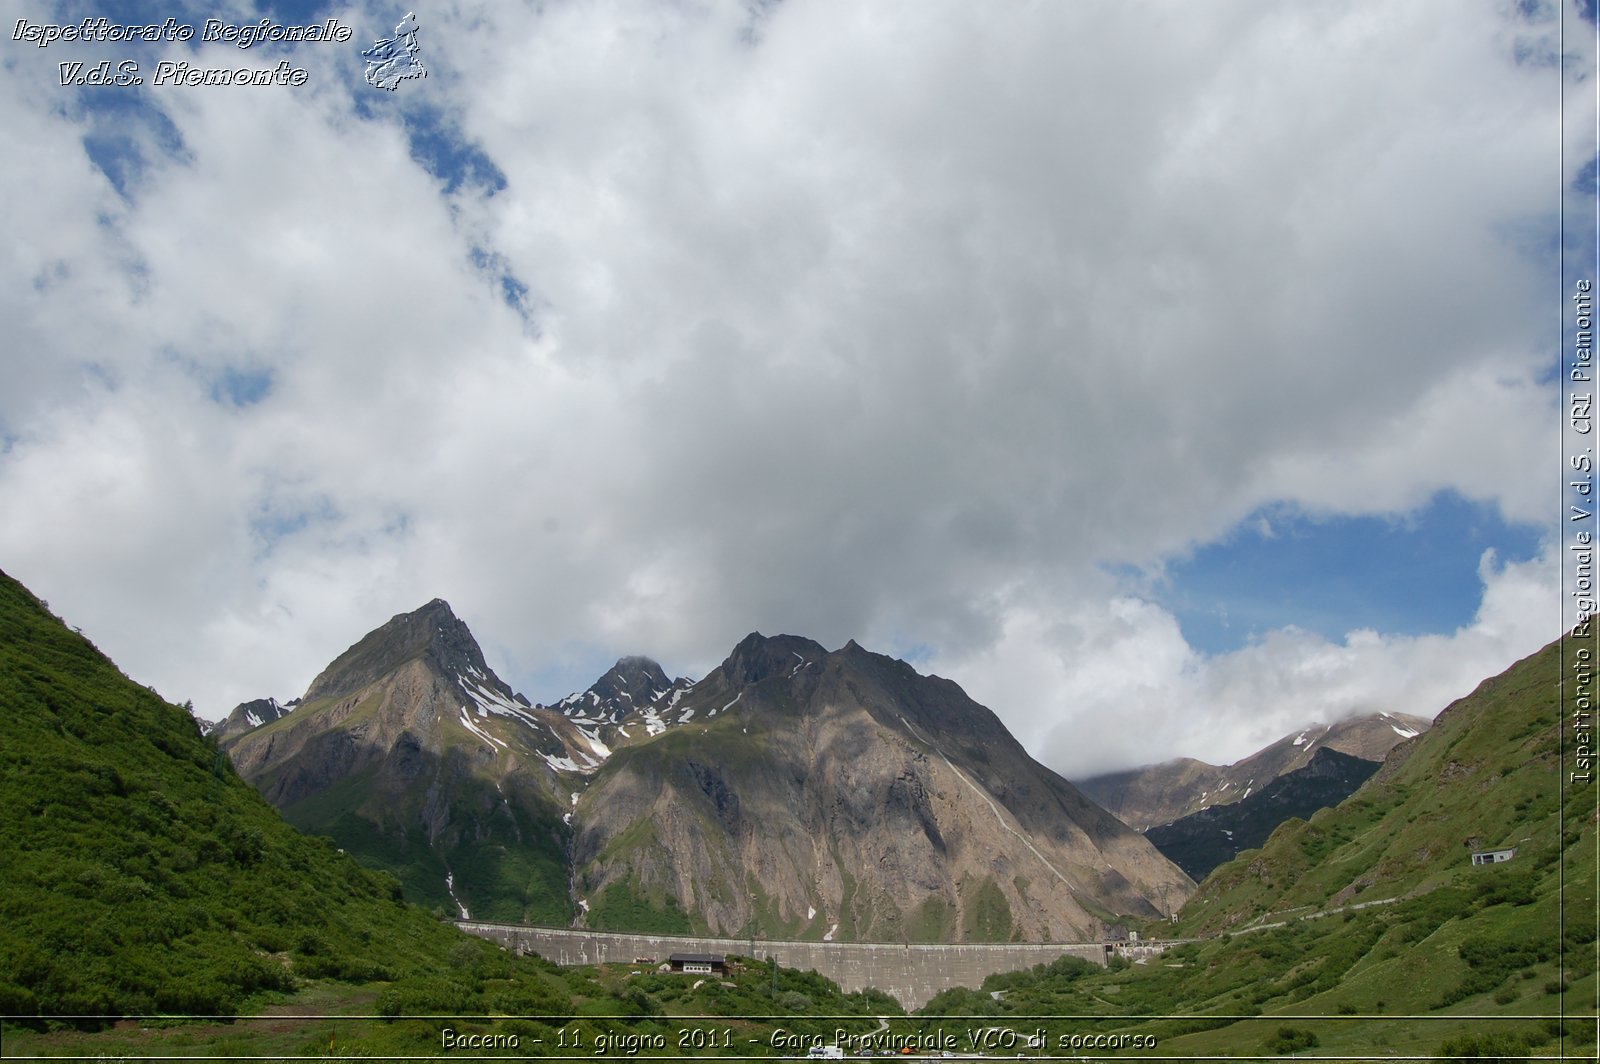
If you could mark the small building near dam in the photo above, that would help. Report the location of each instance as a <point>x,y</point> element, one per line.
<point>1494,856</point>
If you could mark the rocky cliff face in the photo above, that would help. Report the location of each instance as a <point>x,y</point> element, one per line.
<point>1160,794</point>
<point>841,795</point>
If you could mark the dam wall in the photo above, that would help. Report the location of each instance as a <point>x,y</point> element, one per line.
<point>911,973</point>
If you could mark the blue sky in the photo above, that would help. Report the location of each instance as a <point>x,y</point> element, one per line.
<point>1178,371</point>
<point>1407,575</point>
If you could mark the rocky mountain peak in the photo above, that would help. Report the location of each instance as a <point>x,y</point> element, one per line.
<point>635,684</point>
<point>247,715</point>
<point>630,685</point>
<point>432,632</point>
<point>633,679</point>
<point>758,657</point>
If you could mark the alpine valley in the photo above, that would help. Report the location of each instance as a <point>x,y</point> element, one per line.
<point>793,793</point>
<point>1444,909</point>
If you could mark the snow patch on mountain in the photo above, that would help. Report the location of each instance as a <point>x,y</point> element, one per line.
<point>450,885</point>
<point>602,751</point>
<point>466,722</point>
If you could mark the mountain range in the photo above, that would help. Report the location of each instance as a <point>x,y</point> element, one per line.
<point>1160,794</point>
<point>791,792</point>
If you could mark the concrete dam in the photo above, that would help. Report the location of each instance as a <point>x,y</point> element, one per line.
<point>911,973</point>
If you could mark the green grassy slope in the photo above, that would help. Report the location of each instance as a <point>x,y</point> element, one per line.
<point>609,1011</point>
<point>1486,962</point>
<point>141,875</point>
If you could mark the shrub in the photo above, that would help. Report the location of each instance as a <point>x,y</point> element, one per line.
<point>1291,1040</point>
<point>1495,1046</point>
<point>533,999</point>
<point>1492,961</point>
<point>794,1001</point>
<point>465,955</point>
<point>425,997</point>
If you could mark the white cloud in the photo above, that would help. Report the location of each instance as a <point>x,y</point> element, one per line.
<point>1113,684</point>
<point>849,320</point>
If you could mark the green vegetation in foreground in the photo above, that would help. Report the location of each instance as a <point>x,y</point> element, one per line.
<point>603,1011</point>
<point>142,876</point>
<point>1469,957</point>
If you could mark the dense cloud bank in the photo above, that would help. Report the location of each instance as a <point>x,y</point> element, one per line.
<point>635,327</point>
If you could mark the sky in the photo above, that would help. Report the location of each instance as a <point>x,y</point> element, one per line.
<point>1170,375</point>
